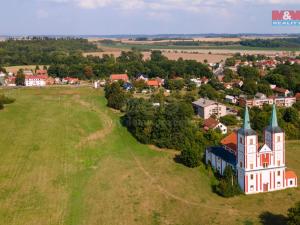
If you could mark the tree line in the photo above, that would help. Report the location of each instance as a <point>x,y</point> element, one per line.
<point>169,123</point>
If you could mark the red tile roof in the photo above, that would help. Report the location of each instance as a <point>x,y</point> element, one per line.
<point>34,77</point>
<point>290,175</point>
<point>297,96</point>
<point>153,83</point>
<point>280,90</point>
<point>116,77</point>
<point>210,123</point>
<point>230,141</point>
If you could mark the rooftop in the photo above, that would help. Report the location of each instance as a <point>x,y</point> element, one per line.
<point>230,141</point>
<point>224,154</point>
<point>203,102</point>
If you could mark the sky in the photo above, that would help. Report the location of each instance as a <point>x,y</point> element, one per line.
<point>108,17</point>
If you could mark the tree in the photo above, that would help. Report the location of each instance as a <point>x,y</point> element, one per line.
<point>248,72</point>
<point>294,215</point>
<point>116,96</point>
<point>228,186</point>
<point>228,75</point>
<point>88,72</point>
<point>20,78</point>
<point>230,61</point>
<point>291,115</point>
<point>191,157</point>
<point>229,120</point>
<point>250,87</point>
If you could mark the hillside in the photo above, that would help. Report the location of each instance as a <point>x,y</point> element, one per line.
<point>66,159</point>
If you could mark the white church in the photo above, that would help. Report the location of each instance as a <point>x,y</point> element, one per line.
<point>259,168</point>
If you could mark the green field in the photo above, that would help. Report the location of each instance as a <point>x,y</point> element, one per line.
<point>66,159</point>
<point>144,47</point>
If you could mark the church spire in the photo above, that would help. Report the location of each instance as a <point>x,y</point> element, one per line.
<point>273,121</point>
<point>246,124</point>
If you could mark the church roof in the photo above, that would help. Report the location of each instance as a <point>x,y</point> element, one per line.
<point>230,141</point>
<point>223,154</point>
<point>246,128</point>
<point>273,126</point>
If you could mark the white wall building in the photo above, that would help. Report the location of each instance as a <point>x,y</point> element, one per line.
<point>258,169</point>
<point>31,80</point>
<point>206,108</point>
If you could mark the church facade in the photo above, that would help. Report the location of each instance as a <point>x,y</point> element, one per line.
<point>259,168</point>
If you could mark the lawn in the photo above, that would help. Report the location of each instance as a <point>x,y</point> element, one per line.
<point>66,159</point>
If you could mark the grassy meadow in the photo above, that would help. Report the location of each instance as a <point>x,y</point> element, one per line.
<point>66,159</point>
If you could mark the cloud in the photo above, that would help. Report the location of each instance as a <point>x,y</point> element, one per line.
<point>169,5</point>
<point>42,14</point>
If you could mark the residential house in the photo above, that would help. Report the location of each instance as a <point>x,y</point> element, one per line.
<point>197,81</point>
<point>260,99</point>
<point>119,77</point>
<point>281,91</point>
<point>213,124</point>
<point>230,99</point>
<point>142,77</point>
<point>155,83</point>
<point>10,81</point>
<point>31,80</point>
<point>127,86</point>
<point>71,80</point>
<point>205,108</point>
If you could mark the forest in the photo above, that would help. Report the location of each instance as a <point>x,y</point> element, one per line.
<point>273,43</point>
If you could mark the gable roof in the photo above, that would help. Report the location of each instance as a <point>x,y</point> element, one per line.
<point>223,154</point>
<point>264,148</point>
<point>230,141</point>
<point>119,77</point>
<point>36,77</point>
<point>210,123</point>
<point>280,90</point>
<point>154,83</point>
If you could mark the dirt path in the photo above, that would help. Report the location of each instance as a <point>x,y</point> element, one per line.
<point>167,193</point>
<point>100,134</point>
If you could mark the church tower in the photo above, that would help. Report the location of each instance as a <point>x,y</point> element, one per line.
<point>273,161</point>
<point>247,143</point>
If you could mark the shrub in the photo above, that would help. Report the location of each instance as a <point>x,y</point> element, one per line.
<point>228,186</point>
<point>294,215</point>
<point>190,157</point>
<point>229,120</point>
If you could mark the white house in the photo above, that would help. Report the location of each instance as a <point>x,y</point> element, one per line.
<point>211,123</point>
<point>31,80</point>
<point>206,108</point>
<point>231,99</point>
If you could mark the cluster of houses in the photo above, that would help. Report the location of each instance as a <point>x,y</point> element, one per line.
<point>38,79</point>
<point>149,82</point>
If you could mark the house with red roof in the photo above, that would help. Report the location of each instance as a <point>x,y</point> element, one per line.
<point>213,124</point>
<point>155,83</point>
<point>32,80</point>
<point>281,91</point>
<point>119,77</point>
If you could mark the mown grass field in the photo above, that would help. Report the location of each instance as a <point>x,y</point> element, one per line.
<point>65,159</point>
